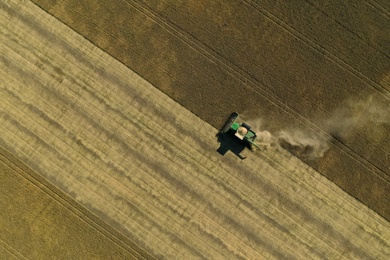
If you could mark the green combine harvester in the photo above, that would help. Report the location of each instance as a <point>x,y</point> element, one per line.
<point>241,131</point>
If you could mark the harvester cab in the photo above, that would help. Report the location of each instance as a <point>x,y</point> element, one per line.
<point>242,131</point>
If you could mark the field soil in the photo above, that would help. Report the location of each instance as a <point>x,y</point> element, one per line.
<point>318,71</point>
<point>38,220</point>
<point>143,165</point>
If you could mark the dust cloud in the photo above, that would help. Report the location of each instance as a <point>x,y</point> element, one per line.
<point>304,143</point>
<point>358,113</point>
<point>351,115</point>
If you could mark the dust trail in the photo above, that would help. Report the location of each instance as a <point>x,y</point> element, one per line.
<point>352,114</point>
<point>264,137</point>
<point>372,111</point>
<point>308,145</point>
<point>303,143</point>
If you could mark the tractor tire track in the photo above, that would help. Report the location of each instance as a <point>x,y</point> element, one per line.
<point>54,195</point>
<point>59,197</point>
<point>12,251</point>
<point>385,11</point>
<point>310,43</point>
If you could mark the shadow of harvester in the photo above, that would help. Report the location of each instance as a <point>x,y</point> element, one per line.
<point>231,143</point>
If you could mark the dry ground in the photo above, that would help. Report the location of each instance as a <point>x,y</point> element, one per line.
<point>148,167</point>
<point>38,220</point>
<point>320,67</point>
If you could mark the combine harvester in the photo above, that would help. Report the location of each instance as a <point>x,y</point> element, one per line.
<point>241,131</point>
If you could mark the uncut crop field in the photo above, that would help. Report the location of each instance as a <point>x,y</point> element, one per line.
<point>148,167</point>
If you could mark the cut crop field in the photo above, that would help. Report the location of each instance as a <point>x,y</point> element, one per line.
<point>38,220</point>
<point>144,165</point>
<point>318,68</point>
